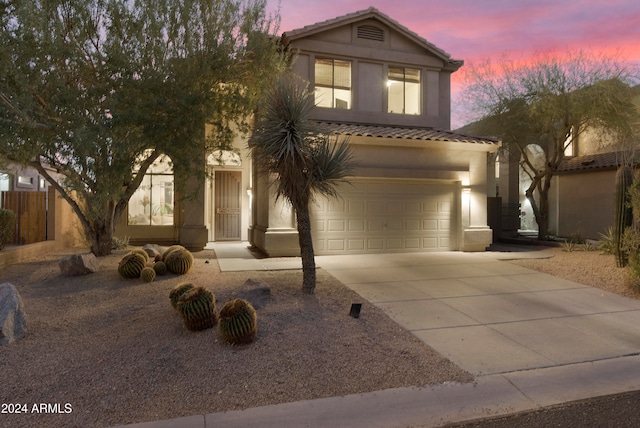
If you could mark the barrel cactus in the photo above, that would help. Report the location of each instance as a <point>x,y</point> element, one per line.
<point>238,322</point>
<point>178,291</point>
<point>179,261</point>
<point>623,216</point>
<point>160,267</point>
<point>148,274</point>
<point>131,265</point>
<point>170,249</point>
<point>143,253</point>
<point>198,309</point>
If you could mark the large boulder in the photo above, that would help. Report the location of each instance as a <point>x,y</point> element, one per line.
<point>153,250</point>
<point>13,320</point>
<point>78,264</point>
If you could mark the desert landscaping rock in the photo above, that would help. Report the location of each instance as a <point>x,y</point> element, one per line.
<point>13,320</point>
<point>256,292</point>
<point>78,264</point>
<point>153,250</point>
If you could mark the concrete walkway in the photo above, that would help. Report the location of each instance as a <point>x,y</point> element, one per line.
<point>531,339</point>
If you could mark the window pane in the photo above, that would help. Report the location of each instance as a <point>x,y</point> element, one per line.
<point>396,97</point>
<point>162,200</point>
<point>324,97</point>
<point>412,98</point>
<point>324,72</point>
<point>140,204</point>
<point>342,74</point>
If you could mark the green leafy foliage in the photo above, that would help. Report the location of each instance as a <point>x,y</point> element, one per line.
<point>99,89</point>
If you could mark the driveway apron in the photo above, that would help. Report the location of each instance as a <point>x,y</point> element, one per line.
<point>490,316</point>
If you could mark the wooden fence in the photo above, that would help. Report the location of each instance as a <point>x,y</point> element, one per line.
<point>31,215</point>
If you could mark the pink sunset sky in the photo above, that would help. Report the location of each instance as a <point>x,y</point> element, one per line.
<point>475,30</point>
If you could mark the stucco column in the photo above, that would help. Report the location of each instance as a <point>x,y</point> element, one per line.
<point>274,229</point>
<point>476,235</point>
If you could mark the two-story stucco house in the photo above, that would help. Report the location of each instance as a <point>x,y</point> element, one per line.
<point>417,187</point>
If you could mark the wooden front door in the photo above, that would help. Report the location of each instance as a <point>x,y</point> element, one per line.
<point>227,205</point>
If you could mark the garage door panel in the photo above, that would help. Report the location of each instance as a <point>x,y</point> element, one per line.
<point>378,216</point>
<point>356,225</point>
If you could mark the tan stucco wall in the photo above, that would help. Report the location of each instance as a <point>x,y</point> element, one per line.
<point>582,203</point>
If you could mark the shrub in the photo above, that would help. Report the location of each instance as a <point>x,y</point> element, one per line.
<point>131,265</point>
<point>606,241</point>
<point>238,322</point>
<point>7,227</point>
<point>118,243</point>
<point>179,261</point>
<point>197,308</point>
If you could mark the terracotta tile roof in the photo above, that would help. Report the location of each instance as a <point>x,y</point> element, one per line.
<point>363,14</point>
<point>408,133</point>
<point>591,162</point>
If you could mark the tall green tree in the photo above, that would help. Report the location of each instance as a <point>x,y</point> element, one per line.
<point>550,101</point>
<point>302,161</point>
<point>99,89</point>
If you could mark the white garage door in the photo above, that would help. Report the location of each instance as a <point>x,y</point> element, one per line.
<point>386,216</point>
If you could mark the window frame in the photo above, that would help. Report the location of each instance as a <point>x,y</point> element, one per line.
<point>332,86</point>
<point>147,189</point>
<point>404,79</point>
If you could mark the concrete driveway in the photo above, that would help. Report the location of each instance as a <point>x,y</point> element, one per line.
<point>490,316</point>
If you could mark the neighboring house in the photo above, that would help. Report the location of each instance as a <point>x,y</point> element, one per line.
<point>583,195</point>
<point>417,186</point>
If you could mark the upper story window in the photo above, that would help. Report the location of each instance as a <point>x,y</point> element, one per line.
<point>333,83</point>
<point>404,90</point>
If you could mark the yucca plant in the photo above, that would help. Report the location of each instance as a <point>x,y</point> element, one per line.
<point>305,161</point>
<point>238,322</point>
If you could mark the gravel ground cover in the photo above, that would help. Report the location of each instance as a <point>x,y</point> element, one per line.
<point>102,350</point>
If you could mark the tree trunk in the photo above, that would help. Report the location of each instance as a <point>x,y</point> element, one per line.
<point>306,249</point>
<point>101,237</point>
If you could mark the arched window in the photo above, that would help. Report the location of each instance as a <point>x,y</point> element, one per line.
<point>154,201</point>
